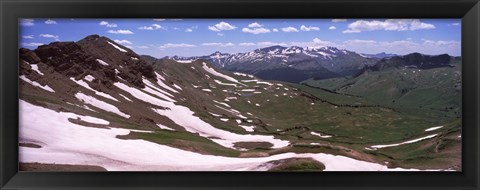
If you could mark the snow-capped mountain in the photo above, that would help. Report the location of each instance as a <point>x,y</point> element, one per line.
<point>291,64</point>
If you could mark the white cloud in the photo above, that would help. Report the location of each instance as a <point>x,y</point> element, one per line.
<point>254,25</point>
<point>188,30</point>
<point>218,44</point>
<point>309,28</point>
<point>122,42</point>
<point>33,44</point>
<point>454,24</point>
<point>213,28</point>
<point>159,19</point>
<point>220,34</point>
<point>221,26</point>
<point>275,30</point>
<point>417,25</point>
<point>151,27</point>
<point>49,21</point>
<point>332,28</point>
<point>28,37</point>
<point>450,43</point>
<point>359,42</point>
<point>317,42</point>
<point>107,24</point>
<point>339,20</point>
<point>266,44</point>
<point>388,25</point>
<point>246,44</point>
<point>49,36</point>
<point>255,30</point>
<point>182,45</point>
<point>142,47</point>
<point>27,22</point>
<point>120,32</point>
<point>289,29</point>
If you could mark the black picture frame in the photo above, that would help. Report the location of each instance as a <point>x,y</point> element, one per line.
<point>12,10</point>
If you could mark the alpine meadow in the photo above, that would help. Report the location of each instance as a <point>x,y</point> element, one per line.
<point>240,95</point>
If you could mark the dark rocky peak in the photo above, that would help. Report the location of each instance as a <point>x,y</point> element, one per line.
<point>219,54</point>
<point>216,53</point>
<point>131,66</point>
<point>55,50</point>
<point>104,47</point>
<point>416,58</point>
<point>94,55</point>
<point>66,57</point>
<point>28,56</point>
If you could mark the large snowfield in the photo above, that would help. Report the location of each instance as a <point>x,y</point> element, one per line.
<point>64,142</point>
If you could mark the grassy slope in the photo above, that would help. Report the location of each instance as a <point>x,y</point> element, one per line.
<point>291,116</point>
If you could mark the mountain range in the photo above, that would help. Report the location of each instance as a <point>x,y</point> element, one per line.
<point>295,64</point>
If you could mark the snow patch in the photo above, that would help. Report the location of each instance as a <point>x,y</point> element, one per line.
<point>85,85</point>
<point>177,87</point>
<point>243,74</point>
<point>406,142</point>
<point>126,98</point>
<point>141,95</point>
<point>263,82</point>
<point>320,135</point>
<point>222,103</point>
<point>89,78</point>
<point>102,62</point>
<point>34,83</point>
<point>433,128</point>
<point>159,76</point>
<point>162,84</point>
<point>164,127</point>
<point>116,47</point>
<point>151,88</point>
<point>35,68</point>
<point>226,84</point>
<point>213,72</point>
<point>216,115</point>
<point>247,128</point>
<point>100,104</point>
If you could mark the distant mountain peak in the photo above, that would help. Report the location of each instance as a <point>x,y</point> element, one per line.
<point>380,55</point>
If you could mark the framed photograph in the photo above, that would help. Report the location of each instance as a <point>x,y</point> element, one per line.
<point>239,94</point>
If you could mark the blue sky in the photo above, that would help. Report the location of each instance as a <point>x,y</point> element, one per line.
<point>190,37</point>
